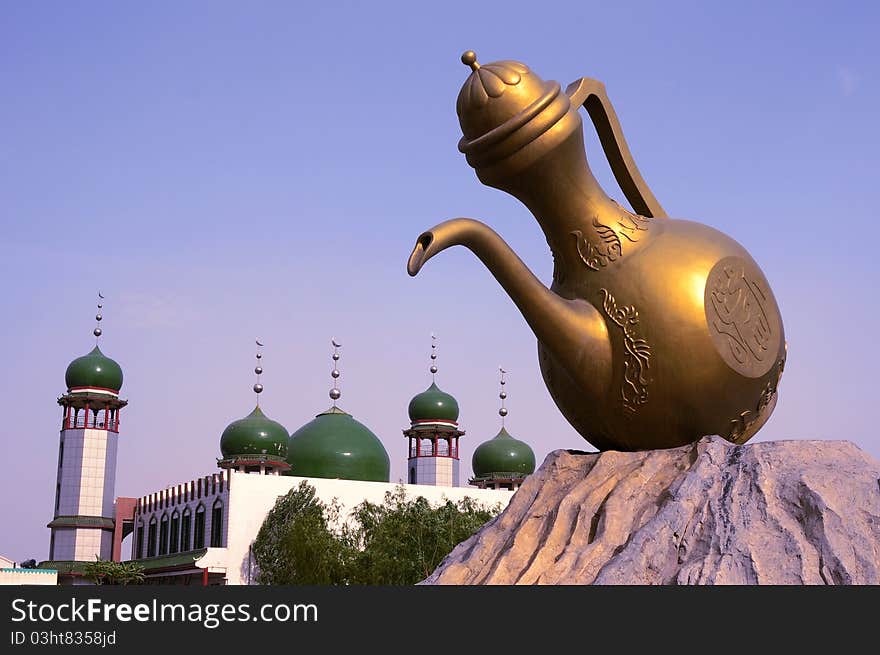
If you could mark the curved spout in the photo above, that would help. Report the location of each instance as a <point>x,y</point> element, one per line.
<point>573,331</point>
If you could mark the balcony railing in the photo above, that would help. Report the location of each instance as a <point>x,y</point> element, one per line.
<point>501,475</point>
<point>425,451</point>
<point>91,423</point>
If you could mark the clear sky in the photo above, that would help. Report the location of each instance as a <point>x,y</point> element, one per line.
<point>228,170</point>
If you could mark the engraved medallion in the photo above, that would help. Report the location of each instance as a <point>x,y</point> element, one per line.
<point>743,317</point>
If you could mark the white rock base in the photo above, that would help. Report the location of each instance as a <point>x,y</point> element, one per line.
<point>783,512</point>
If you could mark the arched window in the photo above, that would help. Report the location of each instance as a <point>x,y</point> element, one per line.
<point>175,532</point>
<point>151,538</point>
<point>163,535</point>
<point>199,541</point>
<point>139,541</point>
<point>217,524</point>
<point>186,530</point>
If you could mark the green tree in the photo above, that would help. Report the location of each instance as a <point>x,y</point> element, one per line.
<point>398,542</point>
<point>295,544</point>
<point>401,541</point>
<point>103,571</point>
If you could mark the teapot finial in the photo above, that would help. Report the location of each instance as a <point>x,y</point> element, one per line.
<point>469,58</point>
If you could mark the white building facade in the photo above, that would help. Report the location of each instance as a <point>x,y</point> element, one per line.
<point>201,532</point>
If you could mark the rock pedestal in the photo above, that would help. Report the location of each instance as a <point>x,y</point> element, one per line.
<point>783,512</point>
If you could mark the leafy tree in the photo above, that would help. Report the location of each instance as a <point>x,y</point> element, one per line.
<point>103,571</point>
<point>295,544</point>
<point>401,541</point>
<point>398,542</point>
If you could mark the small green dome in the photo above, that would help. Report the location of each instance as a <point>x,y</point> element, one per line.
<point>94,370</point>
<point>255,434</point>
<point>433,404</point>
<point>503,454</point>
<point>334,445</point>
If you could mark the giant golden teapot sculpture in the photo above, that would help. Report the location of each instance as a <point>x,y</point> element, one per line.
<point>655,332</point>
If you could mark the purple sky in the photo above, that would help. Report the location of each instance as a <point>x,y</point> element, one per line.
<point>222,171</point>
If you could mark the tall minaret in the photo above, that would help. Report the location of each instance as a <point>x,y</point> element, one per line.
<point>84,493</point>
<point>433,434</point>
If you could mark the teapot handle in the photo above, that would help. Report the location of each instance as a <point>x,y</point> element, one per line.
<point>591,94</point>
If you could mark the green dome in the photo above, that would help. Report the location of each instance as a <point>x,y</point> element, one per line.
<point>255,434</point>
<point>94,370</point>
<point>334,445</point>
<point>503,454</point>
<point>433,404</point>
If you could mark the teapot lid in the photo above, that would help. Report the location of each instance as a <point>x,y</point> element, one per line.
<point>504,99</point>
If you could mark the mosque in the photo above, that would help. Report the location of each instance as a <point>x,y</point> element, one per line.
<point>200,531</point>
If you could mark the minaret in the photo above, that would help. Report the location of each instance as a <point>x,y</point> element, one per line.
<point>433,434</point>
<point>83,522</point>
<point>255,443</point>
<point>502,462</point>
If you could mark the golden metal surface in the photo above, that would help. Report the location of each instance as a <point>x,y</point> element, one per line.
<point>655,332</point>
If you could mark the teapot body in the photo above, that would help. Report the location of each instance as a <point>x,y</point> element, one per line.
<point>696,336</point>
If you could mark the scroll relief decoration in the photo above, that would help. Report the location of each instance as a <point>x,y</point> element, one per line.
<point>637,356</point>
<point>742,315</point>
<point>741,426</point>
<point>559,264</point>
<point>609,247</point>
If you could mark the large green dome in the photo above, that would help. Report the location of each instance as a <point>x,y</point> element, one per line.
<point>334,445</point>
<point>94,370</point>
<point>255,434</point>
<point>503,454</point>
<point>433,404</point>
